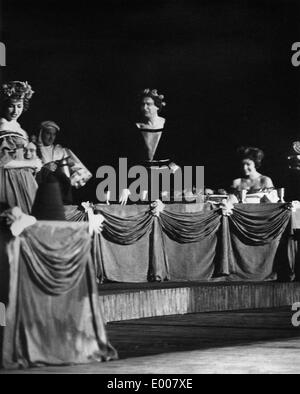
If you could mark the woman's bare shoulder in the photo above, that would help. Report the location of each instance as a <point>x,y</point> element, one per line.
<point>267,181</point>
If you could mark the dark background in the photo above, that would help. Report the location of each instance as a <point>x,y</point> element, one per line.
<point>224,67</point>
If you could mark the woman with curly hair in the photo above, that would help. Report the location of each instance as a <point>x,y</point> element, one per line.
<point>17,183</point>
<point>150,148</point>
<point>252,181</point>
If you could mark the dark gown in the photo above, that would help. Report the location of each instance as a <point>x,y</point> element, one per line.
<point>153,150</point>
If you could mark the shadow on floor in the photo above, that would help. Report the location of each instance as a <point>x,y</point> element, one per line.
<point>142,337</point>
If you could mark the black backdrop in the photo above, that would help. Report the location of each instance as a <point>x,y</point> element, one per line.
<point>224,67</point>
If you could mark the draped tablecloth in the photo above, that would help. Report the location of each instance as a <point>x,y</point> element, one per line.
<point>255,232</point>
<point>53,312</point>
<point>195,242</point>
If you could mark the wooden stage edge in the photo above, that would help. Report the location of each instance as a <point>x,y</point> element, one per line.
<point>135,301</point>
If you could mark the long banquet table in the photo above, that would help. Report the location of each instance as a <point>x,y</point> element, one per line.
<point>195,242</point>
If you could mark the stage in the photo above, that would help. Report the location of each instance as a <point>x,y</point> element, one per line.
<point>250,341</point>
<point>54,267</point>
<point>128,301</point>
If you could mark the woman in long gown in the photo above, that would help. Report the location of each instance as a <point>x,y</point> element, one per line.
<point>17,182</point>
<point>150,147</point>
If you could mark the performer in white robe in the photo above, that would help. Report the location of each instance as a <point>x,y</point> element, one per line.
<point>55,157</point>
<point>60,161</point>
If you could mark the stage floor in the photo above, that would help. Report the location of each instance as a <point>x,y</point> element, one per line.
<point>125,301</point>
<point>252,341</point>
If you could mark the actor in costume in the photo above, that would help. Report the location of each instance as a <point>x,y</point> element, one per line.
<point>17,183</point>
<point>150,147</point>
<point>60,161</point>
<point>252,181</point>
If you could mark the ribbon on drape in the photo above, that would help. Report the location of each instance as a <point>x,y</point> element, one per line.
<point>126,231</point>
<point>57,266</point>
<point>190,227</point>
<point>260,226</point>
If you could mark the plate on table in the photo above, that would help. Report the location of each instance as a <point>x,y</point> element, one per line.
<point>217,198</point>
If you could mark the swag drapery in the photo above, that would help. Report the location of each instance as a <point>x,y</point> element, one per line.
<point>188,242</point>
<point>195,242</point>
<point>53,312</point>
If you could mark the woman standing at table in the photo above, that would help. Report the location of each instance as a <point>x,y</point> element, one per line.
<point>150,145</point>
<point>17,183</point>
<point>252,180</point>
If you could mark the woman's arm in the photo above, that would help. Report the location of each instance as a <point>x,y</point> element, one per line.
<point>236,184</point>
<point>35,164</point>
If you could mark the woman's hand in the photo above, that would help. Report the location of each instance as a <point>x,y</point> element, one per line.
<point>38,164</point>
<point>107,198</point>
<point>208,191</point>
<point>173,167</point>
<point>124,196</point>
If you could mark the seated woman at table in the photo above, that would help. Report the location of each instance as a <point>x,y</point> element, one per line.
<point>17,182</point>
<point>251,180</point>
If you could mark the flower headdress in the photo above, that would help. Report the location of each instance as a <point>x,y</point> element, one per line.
<point>158,98</point>
<point>16,90</point>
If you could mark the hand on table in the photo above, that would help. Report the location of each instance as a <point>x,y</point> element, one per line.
<point>173,167</point>
<point>124,196</point>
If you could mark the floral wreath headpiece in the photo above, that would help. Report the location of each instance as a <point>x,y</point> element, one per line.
<point>16,90</point>
<point>154,94</point>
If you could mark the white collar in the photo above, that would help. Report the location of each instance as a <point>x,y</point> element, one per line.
<point>12,125</point>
